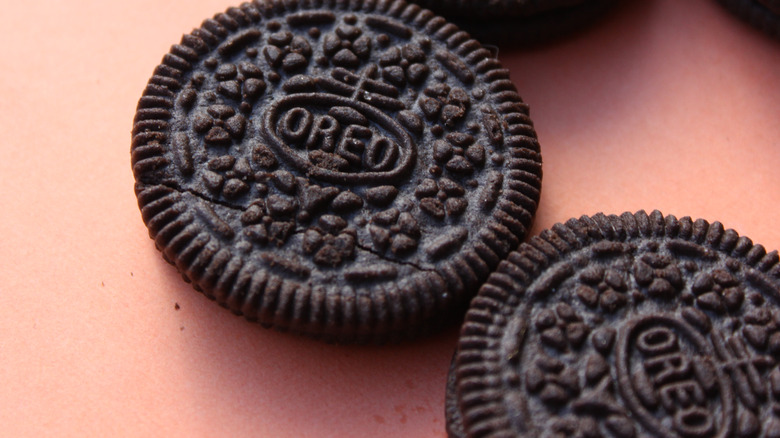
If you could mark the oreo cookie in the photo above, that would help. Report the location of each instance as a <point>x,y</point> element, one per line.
<point>623,326</point>
<point>762,14</point>
<point>521,22</point>
<point>492,9</point>
<point>347,170</point>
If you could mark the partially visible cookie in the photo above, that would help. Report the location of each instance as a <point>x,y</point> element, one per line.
<point>348,170</point>
<point>623,326</point>
<point>520,22</point>
<point>492,9</point>
<point>762,14</point>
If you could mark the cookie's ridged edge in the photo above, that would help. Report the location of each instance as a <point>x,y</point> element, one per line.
<point>453,423</point>
<point>478,390</point>
<point>254,293</point>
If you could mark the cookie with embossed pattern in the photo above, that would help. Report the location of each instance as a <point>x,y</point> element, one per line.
<point>348,170</point>
<point>762,14</point>
<point>623,326</point>
<point>520,22</point>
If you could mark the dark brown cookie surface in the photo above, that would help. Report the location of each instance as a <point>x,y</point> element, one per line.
<point>518,22</point>
<point>629,326</point>
<point>346,170</point>
<point>490,9</point>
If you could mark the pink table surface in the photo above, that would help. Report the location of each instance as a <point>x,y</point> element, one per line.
<point>666,104</point>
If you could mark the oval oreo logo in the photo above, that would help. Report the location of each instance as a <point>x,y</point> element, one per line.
<point>669,378</point>
<point>339,140</point>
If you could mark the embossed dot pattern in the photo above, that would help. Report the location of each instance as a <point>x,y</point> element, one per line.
<point>347,170</point>
<point>623,326</point>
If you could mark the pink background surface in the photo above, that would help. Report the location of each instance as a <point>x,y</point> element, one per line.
<point>666,104</point>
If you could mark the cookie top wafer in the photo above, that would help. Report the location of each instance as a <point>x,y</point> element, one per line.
<point>624,326</point>
<point>349,170</point>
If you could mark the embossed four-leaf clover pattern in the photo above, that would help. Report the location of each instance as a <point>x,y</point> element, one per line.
<point>459,153</point>
<point>659,275</point>
<point>444,103</point>
<point>331,242</point>
<point>220,125</point>
<point>269,221</point>
<point>561,328</point>
<point>603,287</point>
<point>346,46</point>
<point>222,120</point>
<point>592,400</point>
<point>289,52</point>
<point>328,238</point>
<point>762,330</point>
<point>228,176</point>
<point>241,83</point>
<point>718,291</point>
<point>394,230</point>
<point>404,64</point>
<point>552,381</point>
<point>441,198</point>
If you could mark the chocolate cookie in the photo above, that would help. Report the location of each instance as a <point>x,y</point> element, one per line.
<point>520,22</point>
<point>762,14</point>
<point>349,170</point>
<point>629,326</point>
<point>492,9</point>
